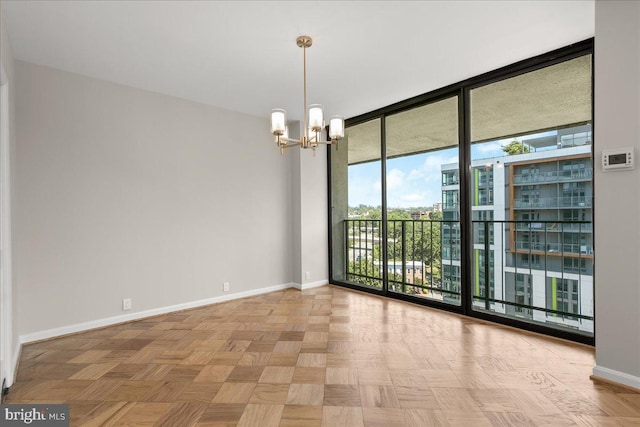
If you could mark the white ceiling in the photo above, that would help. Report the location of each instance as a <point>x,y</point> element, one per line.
<point>242,55</point>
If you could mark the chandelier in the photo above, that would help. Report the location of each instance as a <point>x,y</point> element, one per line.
<point>313,117</point>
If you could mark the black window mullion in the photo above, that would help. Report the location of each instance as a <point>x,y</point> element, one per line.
<point>464,206</point>
<point>384,226</point>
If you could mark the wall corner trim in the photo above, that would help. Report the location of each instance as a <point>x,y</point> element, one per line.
<point>99,323</point>
<point>615,377</point>
<point>311,285</point>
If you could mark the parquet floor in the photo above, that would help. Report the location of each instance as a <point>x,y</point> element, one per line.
<point>322,357</point>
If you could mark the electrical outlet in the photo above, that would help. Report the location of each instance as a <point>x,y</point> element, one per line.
<point>307,275</point>
<point>126,304</point>
<point>225,287</point>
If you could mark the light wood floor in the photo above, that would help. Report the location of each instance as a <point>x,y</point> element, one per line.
<point>322,357</point>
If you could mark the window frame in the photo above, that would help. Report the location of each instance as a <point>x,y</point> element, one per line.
<point>463,91</point>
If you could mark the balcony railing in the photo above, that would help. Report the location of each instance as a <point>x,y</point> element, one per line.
<point>498,287</point>
<point>415,250</point>
<point>424,260</point>
<point>574,140</point>
<point>553,176</point>
<point>553,202</point>
<point>483,182</point>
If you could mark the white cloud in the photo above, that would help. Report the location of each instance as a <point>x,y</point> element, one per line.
<point>430,170</point>
<point>413,197</point>
<point>395,179</point>
<point>490,147</point>
<point>415,174</point>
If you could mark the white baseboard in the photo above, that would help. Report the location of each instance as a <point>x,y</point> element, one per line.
<point>13,365</point>
<point>614,376</point>
<point>311,285</point>
<point>99,323</point>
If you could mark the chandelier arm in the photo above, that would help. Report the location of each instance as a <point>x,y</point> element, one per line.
<point>287,140</point>
<point>290,143</point>
<point>317,141</point>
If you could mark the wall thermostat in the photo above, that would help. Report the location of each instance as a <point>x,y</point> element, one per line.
<point>619,159</point>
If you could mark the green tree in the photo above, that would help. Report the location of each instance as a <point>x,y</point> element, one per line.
<point>515,147</point>
<point>421,241</point>
<point>366,272</point>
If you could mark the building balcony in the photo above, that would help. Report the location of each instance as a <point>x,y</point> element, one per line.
<point>553,203</point>
<point>555,227</point>
<point>553,176</point>
<point>485,183</point>
<point>451,255</point>
<point>554,248</point>
<point>484,202</point>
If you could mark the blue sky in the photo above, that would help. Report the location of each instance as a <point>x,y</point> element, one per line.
<point>413,181</point>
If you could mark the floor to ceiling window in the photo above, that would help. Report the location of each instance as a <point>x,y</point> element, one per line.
<point>422,221</point>
<point>356,213</point>
<point>476,198</point>
<point>531,204</point>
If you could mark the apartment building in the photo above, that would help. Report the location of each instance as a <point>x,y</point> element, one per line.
<point>532,215</point>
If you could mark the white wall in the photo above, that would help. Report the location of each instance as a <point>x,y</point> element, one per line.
<point>10,321</point>
<point>314,220</point>
<point>123,193</point>
<point>617,201</point>
<point>310,220</point>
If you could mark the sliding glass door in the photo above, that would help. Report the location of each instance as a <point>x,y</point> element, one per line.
<point>395,227</point>
<point>423,220</point>
<point>356,207</point>
<point>531,197</point>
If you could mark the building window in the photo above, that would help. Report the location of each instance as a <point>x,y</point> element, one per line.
<point>564,296</point>
<point>575,265</point>
<point>532,261</point>
<point>522,294</point>
<point>450,178</point>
